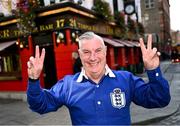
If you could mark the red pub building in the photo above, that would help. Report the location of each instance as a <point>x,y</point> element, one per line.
<point>58,28</point>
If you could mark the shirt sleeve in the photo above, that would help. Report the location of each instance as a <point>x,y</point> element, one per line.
<point>153,94</point>
<point>43,100</point>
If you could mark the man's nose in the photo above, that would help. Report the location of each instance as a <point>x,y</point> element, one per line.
<point>93,56</point>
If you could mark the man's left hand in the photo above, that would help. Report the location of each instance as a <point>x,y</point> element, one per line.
<point>150,55</point>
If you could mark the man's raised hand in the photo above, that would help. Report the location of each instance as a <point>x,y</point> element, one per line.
<point>35,64</point>
<point>150,55</point>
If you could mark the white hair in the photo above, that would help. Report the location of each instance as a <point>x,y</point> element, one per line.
<point>88,36</point>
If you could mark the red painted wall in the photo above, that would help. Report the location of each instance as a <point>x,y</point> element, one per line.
<point>11,85</point>
<point>63,55</point>
<point>131,56</point>
<point>122,57</point>
<point>110,57</point>
<point>21,85</point>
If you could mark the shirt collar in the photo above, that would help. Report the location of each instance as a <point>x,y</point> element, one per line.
<point>108,71</point>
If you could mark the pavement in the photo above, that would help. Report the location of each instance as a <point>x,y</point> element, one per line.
<point>19,113</point>
<point>143,116</point>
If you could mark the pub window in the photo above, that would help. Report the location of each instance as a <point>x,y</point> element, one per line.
<point>10,63</point>
<point>149,4</point>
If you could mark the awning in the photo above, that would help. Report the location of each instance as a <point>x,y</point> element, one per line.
<point>112,42</point>
<point>134,43</point>
<point>6,44</point>
<point>124,43</point>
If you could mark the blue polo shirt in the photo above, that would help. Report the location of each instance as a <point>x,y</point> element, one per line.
<point>105,103</point>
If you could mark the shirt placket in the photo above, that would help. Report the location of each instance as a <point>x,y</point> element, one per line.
<point>99,103</point>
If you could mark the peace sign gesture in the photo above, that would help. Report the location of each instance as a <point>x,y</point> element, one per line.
<point>35,64</point>
<point>150,55</point>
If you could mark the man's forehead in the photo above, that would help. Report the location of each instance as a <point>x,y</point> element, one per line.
<point>92,41</point>
<point>92,45</point>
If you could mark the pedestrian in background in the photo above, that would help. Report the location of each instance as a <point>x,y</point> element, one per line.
<point>77,63</point>
<point>98,95</point>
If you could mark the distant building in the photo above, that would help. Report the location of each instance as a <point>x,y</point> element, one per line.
<point>156,21</point>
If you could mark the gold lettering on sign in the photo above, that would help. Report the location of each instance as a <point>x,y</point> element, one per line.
<point>17,33</point>
<point>109,30</point>
<point>84,26</point>
<point>46,27</point>
<point>4,33</point>
<point>60,23</point>
<point>72,23</point>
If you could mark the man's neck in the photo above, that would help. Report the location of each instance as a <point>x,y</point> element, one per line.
<point>96,77</point>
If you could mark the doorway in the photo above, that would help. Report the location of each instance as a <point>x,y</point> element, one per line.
<point>49,69</point>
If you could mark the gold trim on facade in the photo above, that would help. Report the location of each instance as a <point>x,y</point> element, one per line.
<point>8,22</point>
<point>63,10</point>
<point>52,12</point>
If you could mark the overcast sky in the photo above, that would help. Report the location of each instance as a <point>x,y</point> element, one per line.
<point>174,14</point>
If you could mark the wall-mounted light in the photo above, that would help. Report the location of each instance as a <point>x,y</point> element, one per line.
<point>74,36</point>
<point>21,45</point>
<point>17,43</point>
<point>60,37</point>
<point>22,42</point>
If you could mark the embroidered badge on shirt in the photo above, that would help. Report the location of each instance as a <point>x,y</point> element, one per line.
<point>118,98</point>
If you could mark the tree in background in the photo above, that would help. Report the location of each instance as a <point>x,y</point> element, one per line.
<point>102,8</point>
<point>25,14</point>
<point>131,25</point>
<point>119,19</point>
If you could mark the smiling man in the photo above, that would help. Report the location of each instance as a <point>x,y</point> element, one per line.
<point>98,95</point>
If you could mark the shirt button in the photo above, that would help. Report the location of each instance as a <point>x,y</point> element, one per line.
<point>98,102</point>
<point>97,86</point>
<point>157,74</point>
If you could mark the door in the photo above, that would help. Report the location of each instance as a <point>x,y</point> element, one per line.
<point>50,77</point>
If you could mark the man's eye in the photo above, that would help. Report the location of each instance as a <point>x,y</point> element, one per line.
<point>86,52</point>
<point>98,50</point>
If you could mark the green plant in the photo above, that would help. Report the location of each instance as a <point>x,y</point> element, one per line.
<point>131,25</point>
<point>25,15</point>
<point>119,19</point>
<point>102,8</point>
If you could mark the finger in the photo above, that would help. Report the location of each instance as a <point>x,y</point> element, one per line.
<point>31,60</point>
<point>29,65</point>
<point>158,53</point>
<point>42,55</point>
<point>37,52</point>
<point>149,42</point>
<point>154,50</point>
<point>142,46</point>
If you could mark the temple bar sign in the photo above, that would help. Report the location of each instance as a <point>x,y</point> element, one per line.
<point>58,24</point>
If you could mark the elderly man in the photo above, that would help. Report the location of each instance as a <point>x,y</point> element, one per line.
<point>98,95</point>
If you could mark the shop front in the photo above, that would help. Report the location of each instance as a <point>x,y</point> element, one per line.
<point>58,28</point>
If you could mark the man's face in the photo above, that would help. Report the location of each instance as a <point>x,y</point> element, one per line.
<point>93,57</point>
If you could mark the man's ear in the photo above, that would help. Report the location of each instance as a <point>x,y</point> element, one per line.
<point>105,50</point>
<point>79,52</point>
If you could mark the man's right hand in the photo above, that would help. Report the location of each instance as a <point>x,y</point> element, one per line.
<point>35,64</point>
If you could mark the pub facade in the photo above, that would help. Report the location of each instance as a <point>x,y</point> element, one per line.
<point>58,28</point>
